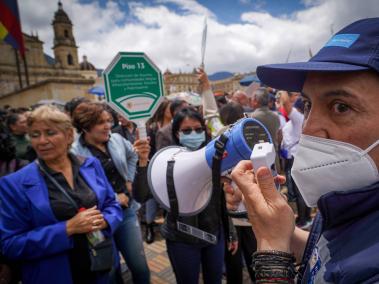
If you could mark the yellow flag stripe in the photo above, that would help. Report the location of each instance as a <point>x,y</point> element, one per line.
<point>3,31</point>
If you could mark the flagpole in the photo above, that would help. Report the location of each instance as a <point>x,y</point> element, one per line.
<point>26,70</point>
<point>289,54</point>
<point>203,43</point>
<point>18,68</point>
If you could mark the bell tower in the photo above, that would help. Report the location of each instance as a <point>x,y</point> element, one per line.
<point>65,49</point>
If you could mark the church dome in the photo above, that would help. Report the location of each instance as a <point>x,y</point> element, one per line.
<point>85,65</point>
<point>60,16</point>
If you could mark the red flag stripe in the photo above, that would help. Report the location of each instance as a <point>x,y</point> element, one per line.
<point>12,24</point>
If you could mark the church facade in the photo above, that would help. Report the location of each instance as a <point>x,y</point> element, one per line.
<point>40,76</point>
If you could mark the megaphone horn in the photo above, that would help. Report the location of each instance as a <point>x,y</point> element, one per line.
<point>192,171</point>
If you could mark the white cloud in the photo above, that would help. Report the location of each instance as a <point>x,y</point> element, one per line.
<point>191,6</point>
<point>172,38</point>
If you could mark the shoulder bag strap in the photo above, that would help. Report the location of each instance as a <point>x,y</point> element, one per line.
<point>57,185</point>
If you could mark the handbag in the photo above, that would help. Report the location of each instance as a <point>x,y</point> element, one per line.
<point>101,255</point>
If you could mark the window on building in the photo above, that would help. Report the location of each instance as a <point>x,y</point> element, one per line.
<point>70,60</point>
<point>66,35</point>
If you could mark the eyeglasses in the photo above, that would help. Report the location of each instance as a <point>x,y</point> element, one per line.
<point>188,131</point>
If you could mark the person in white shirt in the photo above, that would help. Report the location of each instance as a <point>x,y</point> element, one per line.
<point>291,136</point>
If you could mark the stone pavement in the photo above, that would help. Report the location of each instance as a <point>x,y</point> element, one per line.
<point>159,264</point>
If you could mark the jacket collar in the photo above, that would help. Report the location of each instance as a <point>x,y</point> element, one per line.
<point>37,192</point>
<point>34,179</point>
<point>338,208</point>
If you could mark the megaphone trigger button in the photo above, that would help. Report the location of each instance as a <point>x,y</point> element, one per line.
<point>225,154</point>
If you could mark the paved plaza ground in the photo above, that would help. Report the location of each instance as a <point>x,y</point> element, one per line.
<point>159,263</point>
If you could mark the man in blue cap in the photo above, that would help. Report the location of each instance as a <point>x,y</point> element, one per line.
<point>335,168</point>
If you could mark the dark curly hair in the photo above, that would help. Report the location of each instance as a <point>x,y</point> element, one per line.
<point>71,105</point>
<point>87,115</point>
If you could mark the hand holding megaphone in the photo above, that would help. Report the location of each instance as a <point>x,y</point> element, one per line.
<point>263,155</point>
<point>235,201</point>
<point>270,215</point>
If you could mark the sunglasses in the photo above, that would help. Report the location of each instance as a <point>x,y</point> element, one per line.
<point>188,131</point>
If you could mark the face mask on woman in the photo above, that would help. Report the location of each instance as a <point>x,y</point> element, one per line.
<point>192,140</point>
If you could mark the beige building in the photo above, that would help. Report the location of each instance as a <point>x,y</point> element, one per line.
<point>60,78</point>
<point>228,85</point>
<point>183,82</point>
<point>180,82</point>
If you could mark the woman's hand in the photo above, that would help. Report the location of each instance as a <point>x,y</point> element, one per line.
<point>204,84</point>
<point>86,221</point>
<point>123,199</point>
<point>142,148</point>
<point>129,186</point>
<point>233,195</point>
<point>233,247</point>
<point>271,217</point>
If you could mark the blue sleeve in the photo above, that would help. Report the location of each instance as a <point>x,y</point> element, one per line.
<point>110,209</point>
<point>20,238</point>
<point>131,159</point>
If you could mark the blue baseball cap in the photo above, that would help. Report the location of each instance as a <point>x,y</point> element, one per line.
<point>354,48</point>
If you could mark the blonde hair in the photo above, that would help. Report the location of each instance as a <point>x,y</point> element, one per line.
<point>50,115</point>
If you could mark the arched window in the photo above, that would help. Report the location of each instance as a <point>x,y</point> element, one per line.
<point>70,60</point>
<point>66,35</point>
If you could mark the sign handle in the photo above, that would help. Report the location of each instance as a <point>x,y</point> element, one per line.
<point>141,124</point>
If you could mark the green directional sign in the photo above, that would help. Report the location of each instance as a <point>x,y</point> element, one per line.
<point>133,85</point>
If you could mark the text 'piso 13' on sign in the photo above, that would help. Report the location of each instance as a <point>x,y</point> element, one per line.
<point>138,65</point>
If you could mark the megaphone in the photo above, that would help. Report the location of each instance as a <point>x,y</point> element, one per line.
<point>192,173</point>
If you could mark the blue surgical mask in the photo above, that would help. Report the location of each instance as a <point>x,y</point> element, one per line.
<point>193,140</point>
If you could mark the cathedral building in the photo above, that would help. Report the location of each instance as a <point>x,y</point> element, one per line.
<point>40,76</point>
<point>188,82</point>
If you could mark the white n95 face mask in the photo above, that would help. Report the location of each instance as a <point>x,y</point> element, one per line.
<point>323,165</point>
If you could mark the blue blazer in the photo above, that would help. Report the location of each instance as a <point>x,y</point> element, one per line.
<point>29,230</point>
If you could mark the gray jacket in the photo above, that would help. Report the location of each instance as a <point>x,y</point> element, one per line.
<point>121,151</point>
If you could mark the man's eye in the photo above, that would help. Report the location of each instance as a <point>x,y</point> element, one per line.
<point>340,108</point>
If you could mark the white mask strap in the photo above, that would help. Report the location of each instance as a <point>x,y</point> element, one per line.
<point>371,147</point>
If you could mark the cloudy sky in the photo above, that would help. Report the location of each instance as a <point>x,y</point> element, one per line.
<point>241,33</point>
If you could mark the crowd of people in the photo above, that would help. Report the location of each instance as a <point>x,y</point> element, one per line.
<point>74,187</point>
<point>62,141</point>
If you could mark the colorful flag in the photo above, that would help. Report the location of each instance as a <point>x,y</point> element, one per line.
<point>10,25</point>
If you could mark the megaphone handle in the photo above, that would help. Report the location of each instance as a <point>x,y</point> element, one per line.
<point>241,211</point>
<point>141,124</point>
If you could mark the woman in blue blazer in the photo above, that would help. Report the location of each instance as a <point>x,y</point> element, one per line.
<point>39,227</point>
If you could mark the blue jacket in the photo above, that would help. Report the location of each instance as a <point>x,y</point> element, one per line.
<point>31,233</point>
<point>121,151</point>
<point>347,238</point>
